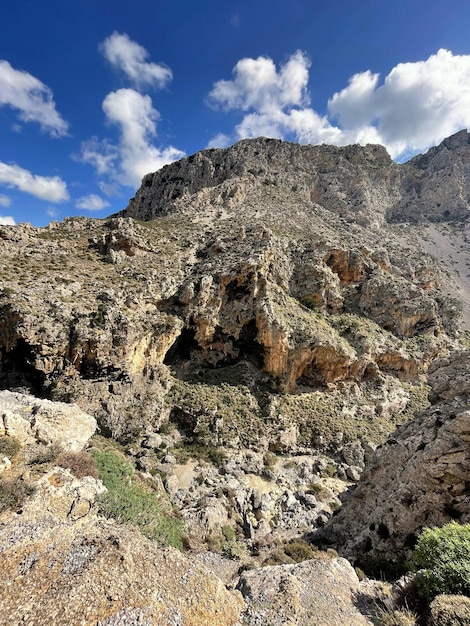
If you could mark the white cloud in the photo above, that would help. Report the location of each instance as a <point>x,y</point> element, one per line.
<point>31,98</point>
<point>416,106</point>
<point>102,155</point>
<point>92,202</point>
<point>130,57</point>
<point>52,188</point>
<point>258,85</point>
<point>7,220</point>
<point>134,156</point>
<point>220,141</point>
<point>4,200</point>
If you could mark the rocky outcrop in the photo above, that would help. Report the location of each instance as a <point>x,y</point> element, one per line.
<point>262,308</point>
<point>61,564</point>
<point>436,185</point>
<point>418,478</point>
<point>31,420</point>
<point>360,184</point>
<point>323,591</point>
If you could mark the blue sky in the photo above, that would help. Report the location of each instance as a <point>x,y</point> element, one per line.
<point>94,93</point>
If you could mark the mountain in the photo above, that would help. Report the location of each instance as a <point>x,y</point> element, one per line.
<point>250,328</point>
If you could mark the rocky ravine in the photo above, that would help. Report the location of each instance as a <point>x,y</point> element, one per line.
<point>418,478</point>
<point>250,328</point>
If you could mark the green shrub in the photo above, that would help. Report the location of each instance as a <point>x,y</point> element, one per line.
<point>444,555</point>
<point>130,502</point>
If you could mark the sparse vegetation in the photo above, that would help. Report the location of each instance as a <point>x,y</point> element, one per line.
<point>129,501</point>
<point>387,615</point>
<point>79,463</point>
<point>9,447</point>
<point>42,455</point>
<point>295,550</point>
<point>13,493</point>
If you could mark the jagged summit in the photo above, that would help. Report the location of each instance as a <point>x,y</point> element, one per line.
<point>361,184</point>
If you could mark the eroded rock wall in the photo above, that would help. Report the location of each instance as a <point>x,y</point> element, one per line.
<point>417,479</point>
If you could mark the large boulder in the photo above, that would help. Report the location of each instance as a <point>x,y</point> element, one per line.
<point>33,420</point>
<point>61,565</point>
<point>324,591</point>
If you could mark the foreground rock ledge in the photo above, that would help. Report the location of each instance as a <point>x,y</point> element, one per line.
<point>57,569</point>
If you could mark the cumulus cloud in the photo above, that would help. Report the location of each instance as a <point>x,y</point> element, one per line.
<point>131,58</point>
<point>4,200</point>
<point>417,105</point>
<point>52,188</point>
<point>258,85</point>
<point>220,141</point>
<point>92,202</point>
<point>31,98</point>
<point>135,155</point>
<point>7,220</point>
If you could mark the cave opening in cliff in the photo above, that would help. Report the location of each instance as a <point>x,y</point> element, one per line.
<point>182,348</point>
<point>18,369</point>
<point>248,347</point>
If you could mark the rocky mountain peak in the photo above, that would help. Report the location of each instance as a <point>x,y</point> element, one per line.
<point>361,184</point>
<point>250,329</point>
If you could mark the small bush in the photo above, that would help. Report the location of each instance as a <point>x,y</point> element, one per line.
<point>387,616</point>
<point>229,533</point>
<point>450,611</point>
<point>9,447</point>
<point>211,454</point>
<point>444,555</point>
<point>236,550</point>
<point>13,493</point>
<point>295,550</point>
<point>81,464</point>
<point>130,502</point>
<point>45,454</point>
<point>299,550</point>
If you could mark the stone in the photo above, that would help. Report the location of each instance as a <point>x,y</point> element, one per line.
<point>31,420</point>
<point>416,479</point>
<point>322,591</point>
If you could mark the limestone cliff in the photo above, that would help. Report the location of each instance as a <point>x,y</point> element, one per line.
<point>417,479</point>
<point>266,253</point>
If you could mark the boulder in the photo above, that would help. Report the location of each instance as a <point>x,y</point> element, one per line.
<point>33,420</point>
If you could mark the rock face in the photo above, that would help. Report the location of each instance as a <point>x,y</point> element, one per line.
<point>268,253</point>
<point>321,591</point>
<point>418,478</point>
<point>31,420</point>
<point>360,184</point>
<point>63,565</point>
